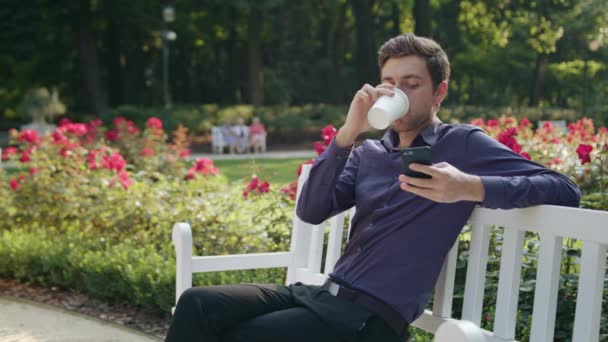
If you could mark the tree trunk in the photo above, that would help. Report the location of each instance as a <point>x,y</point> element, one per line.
<point>256,71</point>
<point>540,73</point>
<point>396,18</point>
<point>365,54</point>
<point>233,71</point>
<point>88,60</point>
<point>422,18</point>
<point>112,40</point>
<point>336,47</point>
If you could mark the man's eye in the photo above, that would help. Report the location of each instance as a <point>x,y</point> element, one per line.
<point>413,86</point>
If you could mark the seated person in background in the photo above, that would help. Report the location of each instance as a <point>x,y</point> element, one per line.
<point>257,134</point>
<point>228,134</point>
<point>241,137</point>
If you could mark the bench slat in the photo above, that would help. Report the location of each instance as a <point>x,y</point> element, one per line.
<point>316,248</point>
<point>546,289</point>
<point>334,242</point>
<point>305,276</point>
<point>476,273</point>
<point>508,283</point>
<point>182,240</point>
<point>300,235</point>
<point>590,289</point>
<point>444,289</point>
<point>233,262</point>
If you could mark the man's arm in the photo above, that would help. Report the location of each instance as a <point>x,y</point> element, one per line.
<point>330,187</point>
<point>511,181</point>
<point>494,176</point>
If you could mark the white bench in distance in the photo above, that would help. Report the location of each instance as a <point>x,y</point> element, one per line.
<point>552,223</point>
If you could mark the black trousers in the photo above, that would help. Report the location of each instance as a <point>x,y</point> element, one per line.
<point>268,313</point>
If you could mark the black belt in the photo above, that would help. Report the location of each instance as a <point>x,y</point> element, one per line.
<point>375,306</point>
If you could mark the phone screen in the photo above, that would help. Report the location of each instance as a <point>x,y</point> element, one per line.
<point>420,155</point>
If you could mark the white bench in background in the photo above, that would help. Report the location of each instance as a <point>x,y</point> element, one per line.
<point>218,143</point>
<point>217,140</point>
<point>552,223</point>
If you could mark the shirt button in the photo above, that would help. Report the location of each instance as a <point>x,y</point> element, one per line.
<point>359,249</point>
<point>396,178</point>
<point>387,204</point>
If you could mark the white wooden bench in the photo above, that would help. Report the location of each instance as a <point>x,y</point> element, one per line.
<point>218,143</point>
<point>552,223</point>
<point>217,140</point>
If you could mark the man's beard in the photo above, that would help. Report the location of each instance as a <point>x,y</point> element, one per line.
<point>415,122</point>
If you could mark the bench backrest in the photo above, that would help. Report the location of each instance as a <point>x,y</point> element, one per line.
<point>552,223</point>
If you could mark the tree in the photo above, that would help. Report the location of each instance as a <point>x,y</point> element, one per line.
<point>256,69</point>
<point>422,17</point>
<point>365,52</point>
<point>87,43</point>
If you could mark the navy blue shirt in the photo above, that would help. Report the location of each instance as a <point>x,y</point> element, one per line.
<point>399,240</point>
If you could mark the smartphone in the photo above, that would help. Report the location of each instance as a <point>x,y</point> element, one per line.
<point>420,155</point>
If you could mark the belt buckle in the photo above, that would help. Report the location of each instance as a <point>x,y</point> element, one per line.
<point>333,288</point>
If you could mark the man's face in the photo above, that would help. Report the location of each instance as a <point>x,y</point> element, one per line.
<point>410,74</point>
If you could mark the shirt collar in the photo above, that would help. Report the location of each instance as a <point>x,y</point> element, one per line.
<point>429,134</point>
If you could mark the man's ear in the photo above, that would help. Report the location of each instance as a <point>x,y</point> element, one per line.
<point>442,92</point>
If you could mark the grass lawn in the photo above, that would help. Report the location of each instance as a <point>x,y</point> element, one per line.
<point>275,171</point>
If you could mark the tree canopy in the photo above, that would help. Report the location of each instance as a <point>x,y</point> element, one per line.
<point>101,54</point>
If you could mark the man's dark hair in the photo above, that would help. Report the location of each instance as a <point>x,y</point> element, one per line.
<point>409,44</point>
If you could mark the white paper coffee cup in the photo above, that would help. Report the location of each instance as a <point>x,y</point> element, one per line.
<point>388,109</point>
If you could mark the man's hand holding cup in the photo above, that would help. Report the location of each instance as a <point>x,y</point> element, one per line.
<point>371,108</point>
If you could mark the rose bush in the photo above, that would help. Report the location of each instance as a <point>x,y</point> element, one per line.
<point>81,206</point>
<point>580,152</point>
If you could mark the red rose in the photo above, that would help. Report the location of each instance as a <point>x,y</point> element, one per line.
<point>118,121</point>
<point>264,187</point>
<point>583,152</point>
<point>328,133</point>
<point>492,123</point>
<point>30,136</point>
<point>25,156</point>
<point>154,123</point>
<point>124,179</point>
<point>147,152</point>
<point>477,122</point>
<point>112,135</point>
<point>14,184</point>
<point>291,190</point>
<point>114,162</point>
<point>184,153</point>
<point>8,152</point>
<point>319,147</point>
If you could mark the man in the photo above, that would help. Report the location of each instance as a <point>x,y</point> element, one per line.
<point>403,227</point>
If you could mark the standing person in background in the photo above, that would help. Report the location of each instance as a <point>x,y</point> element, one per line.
<point>257,133</point>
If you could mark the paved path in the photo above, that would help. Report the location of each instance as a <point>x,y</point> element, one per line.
<point>283,154</point>
<point>25,321</point>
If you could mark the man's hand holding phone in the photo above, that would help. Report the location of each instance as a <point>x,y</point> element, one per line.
<point>441,182</point>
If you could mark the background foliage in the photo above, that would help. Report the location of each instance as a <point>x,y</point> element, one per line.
<point>105,54</point>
